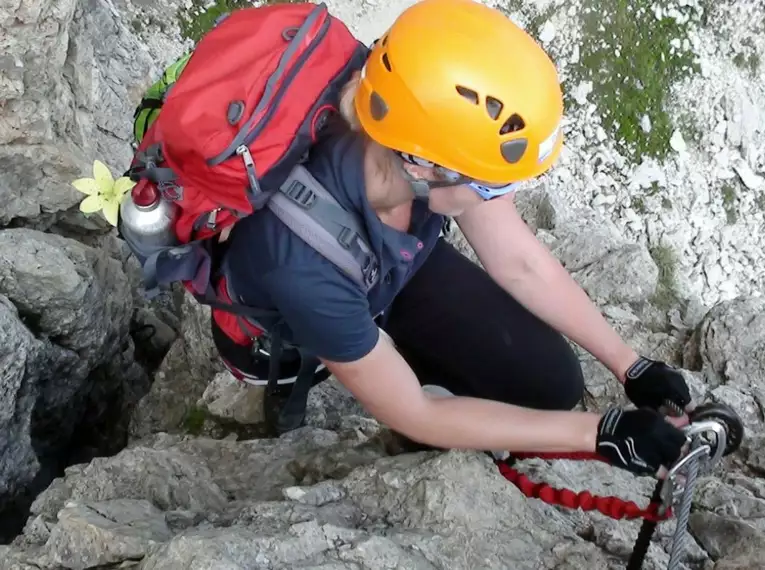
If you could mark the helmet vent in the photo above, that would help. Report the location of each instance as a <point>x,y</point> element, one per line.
<point>468,94</point>
<point>386,62</point>
<point>513,150</point>
<point>493,107</point>
<point>377,106</point>
<point>513,124</point>
<point>385,40</point>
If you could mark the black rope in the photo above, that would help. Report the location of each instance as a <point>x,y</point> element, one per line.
<point>643,542</point>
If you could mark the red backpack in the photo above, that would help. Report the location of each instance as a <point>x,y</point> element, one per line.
<point>230,137</point>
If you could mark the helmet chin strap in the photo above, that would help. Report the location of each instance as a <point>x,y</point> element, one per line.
<point>420,188</point>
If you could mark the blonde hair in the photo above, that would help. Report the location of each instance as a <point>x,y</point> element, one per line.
<point>384,163</point>
<point>347,107</point>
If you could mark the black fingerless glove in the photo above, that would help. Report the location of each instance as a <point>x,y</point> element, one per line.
<point>640,441</point>
<point>651,384</point>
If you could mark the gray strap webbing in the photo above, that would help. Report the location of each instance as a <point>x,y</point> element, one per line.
<point>149,159</point>
<point>306,207</point>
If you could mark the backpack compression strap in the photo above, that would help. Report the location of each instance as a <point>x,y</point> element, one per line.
<point>310,211</point>
<point>315,216</point>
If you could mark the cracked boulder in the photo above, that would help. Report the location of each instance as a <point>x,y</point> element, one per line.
<point>71,74</point>
<point>66,357</point>
<point>97,534</point>
<point>728,347</point>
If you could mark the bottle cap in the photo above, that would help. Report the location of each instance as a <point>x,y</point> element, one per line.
<point>145,195</point>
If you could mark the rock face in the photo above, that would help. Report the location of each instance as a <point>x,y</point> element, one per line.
<point>66,356</point>
<point>71,73</point>
<point>164,467</point>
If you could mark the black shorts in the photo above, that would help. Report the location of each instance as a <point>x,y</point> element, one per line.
<point>460,330</point>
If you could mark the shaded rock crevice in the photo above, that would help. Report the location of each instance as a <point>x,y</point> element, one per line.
<point>71,377</point>
<point>75,356</point>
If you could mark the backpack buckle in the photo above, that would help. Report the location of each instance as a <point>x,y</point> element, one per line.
<point>370,269</point>
<point>301,194</point>
<point>346,237</point>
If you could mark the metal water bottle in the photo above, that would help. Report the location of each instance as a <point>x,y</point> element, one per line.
<point>147,220</point>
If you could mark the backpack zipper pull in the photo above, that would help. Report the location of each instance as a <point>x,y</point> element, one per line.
<point>249,165</point>
<point>211,219</point>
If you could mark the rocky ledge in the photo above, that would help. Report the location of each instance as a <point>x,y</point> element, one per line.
<point>195,488</point>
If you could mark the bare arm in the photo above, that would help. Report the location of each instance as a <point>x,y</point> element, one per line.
<point>387,387</point>
<point>526,269</point>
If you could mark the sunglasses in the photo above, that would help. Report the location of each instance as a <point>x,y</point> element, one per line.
<point>448,177</point>
<point>485,190</point>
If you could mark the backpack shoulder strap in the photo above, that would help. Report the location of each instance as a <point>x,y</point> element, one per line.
<point>310,211</point>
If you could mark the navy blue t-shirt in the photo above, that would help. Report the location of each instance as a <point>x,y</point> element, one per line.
<point>324,311</point>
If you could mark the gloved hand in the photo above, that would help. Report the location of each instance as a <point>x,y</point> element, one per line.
<point>640,441</point>
<point>651,383</point>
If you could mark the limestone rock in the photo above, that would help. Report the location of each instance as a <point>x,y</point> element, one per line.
<point>169,479</point>
<point>228,398</point>
<point>727,539</point>
<point>182,377</point>
<point>66,357</point>
<point>426,510</point>
<point>729,349</point>
<point>626,275</point>
<point>729,344</point>
<point>71,74</point>
<point>97,534</point>
<point>585,240</point>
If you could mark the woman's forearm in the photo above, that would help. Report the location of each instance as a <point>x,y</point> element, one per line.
<point>526,269</point>
<point>389,390</point>
<point>546,289</point>
<point>471,423</point>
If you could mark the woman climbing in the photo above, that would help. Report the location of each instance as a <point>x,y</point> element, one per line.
<point>454,106</point>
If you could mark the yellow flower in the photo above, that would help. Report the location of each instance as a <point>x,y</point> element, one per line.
<point>103,192</point>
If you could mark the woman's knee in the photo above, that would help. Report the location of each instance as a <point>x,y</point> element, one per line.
<point>564,375</point>
<point>568,381</point>
<point>548,378</point>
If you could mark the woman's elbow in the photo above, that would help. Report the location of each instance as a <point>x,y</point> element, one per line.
<point>411,420</point>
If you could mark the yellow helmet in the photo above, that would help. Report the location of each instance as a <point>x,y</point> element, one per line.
<point>457,83</point>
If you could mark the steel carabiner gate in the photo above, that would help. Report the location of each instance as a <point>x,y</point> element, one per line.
<point>714,432</point>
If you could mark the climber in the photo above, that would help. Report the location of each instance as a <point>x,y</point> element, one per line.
<point>453,108</point>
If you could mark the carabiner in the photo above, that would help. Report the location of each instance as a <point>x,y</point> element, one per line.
<point>710,429</point>
<point>672,489</point>
<point>715,431</point>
